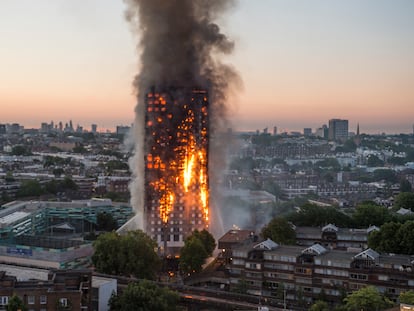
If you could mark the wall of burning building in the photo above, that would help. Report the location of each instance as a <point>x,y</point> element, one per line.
<point>176,164</point>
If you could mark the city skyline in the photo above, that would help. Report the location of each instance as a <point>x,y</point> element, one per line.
<point>302,63</point>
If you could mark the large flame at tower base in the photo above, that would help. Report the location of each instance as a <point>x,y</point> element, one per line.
<point>176,165</point>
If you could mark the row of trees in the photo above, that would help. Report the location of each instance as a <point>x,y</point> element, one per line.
<point>365,214</point>
<point>367,299</point>
<point>396,233</point>
<point>33,188</point>
<point>134,254</point>
<point>393,237</point>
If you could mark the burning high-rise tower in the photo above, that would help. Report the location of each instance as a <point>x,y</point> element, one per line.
<point>181,91</point>
<point>176,164</point>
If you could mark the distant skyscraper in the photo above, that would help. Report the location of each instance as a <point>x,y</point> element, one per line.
<point>275,131</point>
<point>122,130</point>
<point>307,131</point>
<point>94,127</point>
<point>2,128</point>
<point>338,129</point>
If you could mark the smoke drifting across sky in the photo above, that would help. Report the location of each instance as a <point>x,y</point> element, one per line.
<point>180,46</point>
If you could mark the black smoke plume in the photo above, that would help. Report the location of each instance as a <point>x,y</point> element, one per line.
<point>180,45</point>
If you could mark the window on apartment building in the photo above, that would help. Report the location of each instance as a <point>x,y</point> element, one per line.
<point>43,299</point>
<point>4,300</point>
<point>358,276</point>
<point>30,300</point>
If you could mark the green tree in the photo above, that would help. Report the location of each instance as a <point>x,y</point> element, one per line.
<point>20,150</point>
<point>387,175</point>
<point>145,296</point>
<point>79,149</point>
<point>407,297</point>
<point>68,183</point>
<point>129,254</point>
<point>405,186</point>
<point>405,200</point>
<point>9,177</point>
<point>320,305</point>
<point>106,222</point>
<point>367,299</point>
<point>374,161</point>
<point>273,188</point>
<point>16,304</point>
<point>385,239</point>
<point>313,215</point>
<point>207,239</point>
<point>405,236</point>
<point>279,230</point>
<point>30,188</point>
<point>368,213</point>
<point>192,255</point>
<point>58,171</point>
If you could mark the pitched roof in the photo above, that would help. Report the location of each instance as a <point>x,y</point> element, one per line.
<point>315,249</point>
<point>330,227</point>
<point>368,254</point>
<point>268,245</point>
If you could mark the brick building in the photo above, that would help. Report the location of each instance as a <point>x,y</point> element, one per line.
<point>302,275</point>
<point>64,290</point>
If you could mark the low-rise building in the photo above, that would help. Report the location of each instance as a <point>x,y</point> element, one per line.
<point>63,290</point>
<point>302,275</point>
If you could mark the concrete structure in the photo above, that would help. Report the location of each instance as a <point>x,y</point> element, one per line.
<point>35,217</point>
<point>333,237</point>
<point>338,129</point>
<point>307,131</point>
<point>302,274</point>
<point>62,290</point>
<point>42,234</point>
<point>176,165</point>
<point>19,276</point>
<point>102,290</point>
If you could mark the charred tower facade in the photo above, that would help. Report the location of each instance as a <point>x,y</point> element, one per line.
<point>176,144</point>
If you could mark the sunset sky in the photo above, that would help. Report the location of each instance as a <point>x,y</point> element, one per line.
<point>302,62</point>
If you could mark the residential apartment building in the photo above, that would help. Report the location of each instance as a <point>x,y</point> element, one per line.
<point>64,290</point>
<point>301,275</point>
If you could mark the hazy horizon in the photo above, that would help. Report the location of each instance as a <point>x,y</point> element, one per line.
<point>302,63</point>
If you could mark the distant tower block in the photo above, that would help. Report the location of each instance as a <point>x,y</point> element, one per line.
<point>176,165</point>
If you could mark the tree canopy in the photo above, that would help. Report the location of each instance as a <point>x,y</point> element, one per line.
<point>30,188</point>
<point>197,248</point>
<point>405,200</point>
<point>367,299</point>
<point>405,186</point>
<point>106,222</point>
<point>16,304</point>
<point>369,213</point>
<point>393,238</point>
<point>407,297</point>
<point>130,254</point>
<point>145,296</point>
<point>320,305</point>
<point>313,215</point>
<point>279,230</point>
